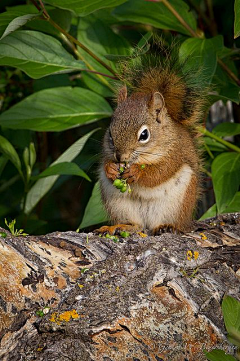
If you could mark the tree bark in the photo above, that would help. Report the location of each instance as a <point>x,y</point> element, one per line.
<point>77,296</point>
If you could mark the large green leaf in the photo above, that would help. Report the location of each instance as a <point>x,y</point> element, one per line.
<point>83,7</point>
<point>10,153</point>
<point>226,178</point>
<point>64,168</point>
<point>237,19</point>
<point>227,129</point>
<point>231,314</point>
<point>219,355</point>
<point>62,17</point>
<point>201,56</point>
<point>234,206</point>
<point>18,23</point>
<point>156,14</point>
<point>224,87</point>
<point>14,12</point>
<point>101,40</point>
<point>94,212</point>
<point>36,54</point>
<point>42,186</point>
<point>56,109</point>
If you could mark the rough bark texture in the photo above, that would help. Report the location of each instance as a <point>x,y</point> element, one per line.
<point>137,299</point>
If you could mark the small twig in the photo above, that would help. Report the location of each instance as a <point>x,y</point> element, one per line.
<point>71,38</point>
<point>195,35</point>
<point>220,140</point>
<point>77,76</point>
<point>209,151</point>
<point>180,19</point>
<point>229,71</point>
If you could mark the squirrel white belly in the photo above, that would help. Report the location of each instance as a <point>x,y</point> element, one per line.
<point>151,145</point>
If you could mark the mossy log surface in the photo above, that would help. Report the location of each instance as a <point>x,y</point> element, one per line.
<point>77,296</point>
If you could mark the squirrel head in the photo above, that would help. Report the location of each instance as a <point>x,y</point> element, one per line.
<point>140,129</point>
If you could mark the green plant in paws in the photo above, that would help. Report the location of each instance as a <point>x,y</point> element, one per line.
<point>121,184</point>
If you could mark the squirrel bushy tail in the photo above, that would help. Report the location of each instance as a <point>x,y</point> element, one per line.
<point>160,69</point>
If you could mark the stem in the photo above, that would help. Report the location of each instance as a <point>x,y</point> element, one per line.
<point>70,37</point>
<point>206,172</point>
<point>195,35</point>
<point>208,150</point>
<point>9,183</point>
<point>220,140</point>
<point>180,19</point>
<point>229,71</point>
<point>101,76</point>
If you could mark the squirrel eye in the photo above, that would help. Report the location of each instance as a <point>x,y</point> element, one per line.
<point>143,134</point>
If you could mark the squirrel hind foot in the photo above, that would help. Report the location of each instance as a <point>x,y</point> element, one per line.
<point>166,228</point>
<point>117,228</point>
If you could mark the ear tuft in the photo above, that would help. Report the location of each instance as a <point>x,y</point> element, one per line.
<point>156,104</point>
<point>122,94</point>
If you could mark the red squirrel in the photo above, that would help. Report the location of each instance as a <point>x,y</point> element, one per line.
<point>152,147</point>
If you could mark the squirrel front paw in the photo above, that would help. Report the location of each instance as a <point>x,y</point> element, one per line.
<point>132,174</point>
<point>112,170</point>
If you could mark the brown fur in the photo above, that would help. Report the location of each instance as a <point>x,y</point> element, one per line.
<point>161,102</point>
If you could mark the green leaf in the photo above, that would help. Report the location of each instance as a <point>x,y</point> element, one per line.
<point>18,22</point>
<point>26,162</point>
<point>224,87</point>
<point>234,206</point>
<point>64,168</point>
<point>14,12</point>
<point>214,145</point>
<point>92,32</point>
<point>231,314</point>
<point>211,212</point>
<point>56,109</point>
<point>83,7</point>
<point>36,54</point>
<point>201,56</point>
<point>94,212</point>
<point>32,154</point>
<point>10,153</point>
<point>156,14</point>
<point>42,186</point>
<point>219,355</point>
<point>227,129</point>
<point>237,19</point>
<point>62,17</point>
<point>226,178</point>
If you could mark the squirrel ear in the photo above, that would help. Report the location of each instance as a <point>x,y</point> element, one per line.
<point>156,104</point>
<point>122,94</point>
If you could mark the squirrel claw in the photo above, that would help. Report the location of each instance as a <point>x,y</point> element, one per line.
<point>132,173</point>
<point>165,228</point>
<point>112,170</point>
<point>117,228</point>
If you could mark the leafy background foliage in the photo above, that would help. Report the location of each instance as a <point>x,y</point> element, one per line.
<point>57,80</point>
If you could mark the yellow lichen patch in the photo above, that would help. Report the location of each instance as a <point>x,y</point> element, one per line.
<point>80,286</point>
<point>203,236</point>
<point>189,255</point>
<point>63,317</point>
<point>117,288</point>
<point>141,234</point>
<point>196,254</point>
<point>39,349</point>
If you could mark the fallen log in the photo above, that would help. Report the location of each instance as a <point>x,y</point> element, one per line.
<point>78,296</point>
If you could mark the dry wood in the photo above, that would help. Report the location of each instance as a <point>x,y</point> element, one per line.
<point>142,298</point>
